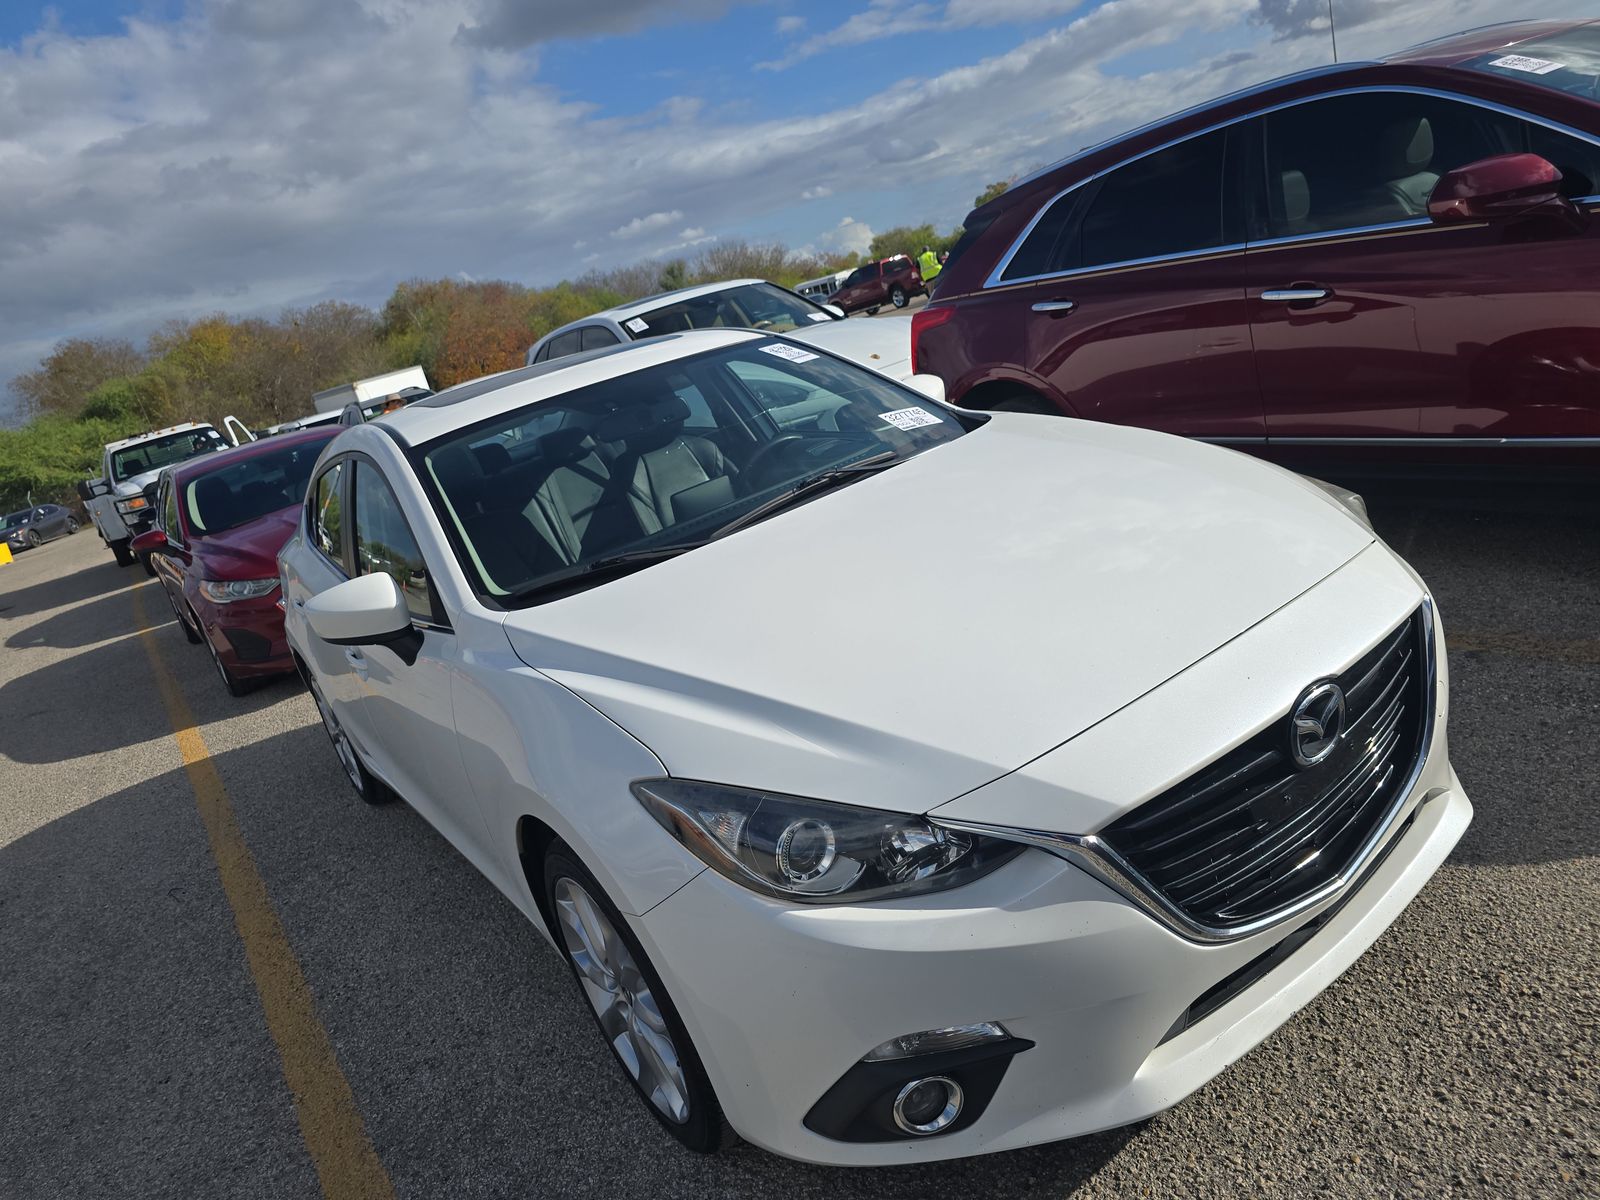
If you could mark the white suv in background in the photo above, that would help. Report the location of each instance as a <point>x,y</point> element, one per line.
<point>883,345</point>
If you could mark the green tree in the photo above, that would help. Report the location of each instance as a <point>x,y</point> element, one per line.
<point>998,188</point>
<point>63,381</point>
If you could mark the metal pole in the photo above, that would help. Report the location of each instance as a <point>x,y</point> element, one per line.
<point>1332,33</point>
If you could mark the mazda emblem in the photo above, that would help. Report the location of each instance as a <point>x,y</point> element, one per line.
<point>1316,723</point>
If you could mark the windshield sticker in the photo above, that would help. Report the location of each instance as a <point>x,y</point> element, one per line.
<point>638,325</point>
<point>822,316</point>
<point>1532,66</point>
<point>911,418</point>
<point>792,353</point>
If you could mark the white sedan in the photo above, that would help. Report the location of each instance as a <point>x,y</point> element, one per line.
<point>900,782</point>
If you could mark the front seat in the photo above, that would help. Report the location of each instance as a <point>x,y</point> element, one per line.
<point>670,476</point>
<point>1405,150</point>
<point>215,501</point>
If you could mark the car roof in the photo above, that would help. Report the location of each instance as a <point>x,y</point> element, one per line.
<point>1470,43</point>
<point>645,303</point>
<point>137,438</point>
<point>193,468</point>
<point>468,403</point>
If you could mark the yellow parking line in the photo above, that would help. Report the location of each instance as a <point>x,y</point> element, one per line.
<point>334,1133</point>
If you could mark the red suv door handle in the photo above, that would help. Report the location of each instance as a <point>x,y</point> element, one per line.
<point>1056,308</point>
<point>1298,294</point>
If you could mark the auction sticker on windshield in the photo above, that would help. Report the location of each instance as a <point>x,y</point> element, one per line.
<point>638,325</point>
<point>910,418</point>
<point>792,353</point>
<point>1521,62</point>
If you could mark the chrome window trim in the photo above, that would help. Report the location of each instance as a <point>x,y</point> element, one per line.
<point>996,280</point>
<point>1095,856</point>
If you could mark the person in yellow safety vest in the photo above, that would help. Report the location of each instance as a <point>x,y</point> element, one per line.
<point>928,264</point>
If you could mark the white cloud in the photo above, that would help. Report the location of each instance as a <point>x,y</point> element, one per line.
<point>849,236</point>
<point>791,25</point>
<point>821,191</point>
<point>648,224</point>
<point>896,18</point>
<point>691,233</point>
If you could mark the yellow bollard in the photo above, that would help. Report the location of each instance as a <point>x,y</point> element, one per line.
<point>5,553</point>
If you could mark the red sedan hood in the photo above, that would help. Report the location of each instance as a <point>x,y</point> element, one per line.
<point>248,551</point>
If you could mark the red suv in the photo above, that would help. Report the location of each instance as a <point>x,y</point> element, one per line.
<point>892,280</point>
<point>1393,255</point>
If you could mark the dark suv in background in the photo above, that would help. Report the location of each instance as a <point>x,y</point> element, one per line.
<point>1394,260</point>
<point>870,286</point>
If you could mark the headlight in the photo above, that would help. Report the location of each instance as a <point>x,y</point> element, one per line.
<point>815,851</point>
<point>226,591</point>
<point>1350,501</point>
<point>132,504</point>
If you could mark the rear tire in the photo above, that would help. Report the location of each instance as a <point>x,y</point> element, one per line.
<point>124,555</point>
<point>72,526</point>
<point>873,311</point>
<point>898,297</point>
<point>636,1017</point>
<point>367,786</point>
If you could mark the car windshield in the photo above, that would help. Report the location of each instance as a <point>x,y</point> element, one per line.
<point>1567,62</point>
<point>665,458</point>
<point>749,306</point>
<point>161,452</point>
<point>236,493</point>
<point>16,518</point>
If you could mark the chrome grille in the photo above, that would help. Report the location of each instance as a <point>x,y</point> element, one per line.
<point>1253,833</point>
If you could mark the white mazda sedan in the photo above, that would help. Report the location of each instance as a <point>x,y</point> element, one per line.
<point>899,782</point>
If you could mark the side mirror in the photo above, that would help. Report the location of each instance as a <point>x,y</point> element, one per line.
<point>150,539</point>
<point>368,610</point>
<point>150,490</point>
<point>1501,188</point>
<point>930,386</point>
<point>97,487</point>
<point>836,310</point>
<point>84,493</point>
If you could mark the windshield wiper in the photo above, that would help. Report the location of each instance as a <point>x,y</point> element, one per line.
<point>606,566</point>
<point>830,478</point>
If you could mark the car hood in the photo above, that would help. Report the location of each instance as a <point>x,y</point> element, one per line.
<point>928,629</point>
<point>884,343</point>
<point>248,551</point>
<point>135,484</point>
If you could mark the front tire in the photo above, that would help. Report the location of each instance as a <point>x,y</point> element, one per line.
<point>873,311</point>
<point>635,1015</point>
<point>186,620</point>
<point>235,685</point>
<point>124,555</point>
<point>33,539</point>
<point>72,526</point>
<point>149,567</point>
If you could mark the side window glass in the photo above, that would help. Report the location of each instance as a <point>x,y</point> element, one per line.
<point>169,510</point>
<point>327,521</point>
<point>596,337</point>
<point>384,541</point>
<point>1047,248</point>
<point>1372,158</point>
<point>543,355</point>
<point>567,343</point>
<point>1169,202</point>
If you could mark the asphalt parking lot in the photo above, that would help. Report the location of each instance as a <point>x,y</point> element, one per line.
<point>139,1054</point>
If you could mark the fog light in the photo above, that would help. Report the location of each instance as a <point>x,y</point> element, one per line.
<point>926,1106</point>
<point>932,1041</point>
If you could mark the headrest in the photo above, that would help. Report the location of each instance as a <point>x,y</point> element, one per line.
<point>1406,147</point>
<point>492,457</point>
<point>566,446</point>
<point>1296,196</point>
<point>456,468</point>
<point>644,420</point>
<point>214,498</point>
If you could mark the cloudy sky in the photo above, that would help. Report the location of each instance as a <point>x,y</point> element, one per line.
<point>163,158</point>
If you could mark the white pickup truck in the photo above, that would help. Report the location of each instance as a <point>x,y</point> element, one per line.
<point>118,501</point>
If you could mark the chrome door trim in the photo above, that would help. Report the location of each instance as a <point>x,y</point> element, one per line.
<point>1292,295</point>
<point>1094,856</point>
<point>995,281</point>
<point>1055,306</point>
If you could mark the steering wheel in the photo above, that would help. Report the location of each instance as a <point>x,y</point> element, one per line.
<point>763,457</point>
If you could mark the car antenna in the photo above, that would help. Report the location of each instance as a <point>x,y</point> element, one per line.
<point>1333,34</point>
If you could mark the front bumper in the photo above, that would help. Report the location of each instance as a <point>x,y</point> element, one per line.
<point>248,635</point>
<point>782,1001</point>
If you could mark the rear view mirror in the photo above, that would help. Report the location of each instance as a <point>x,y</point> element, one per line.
<point>1501,188</point>
<point>368,610</point>
<point>835,310</point>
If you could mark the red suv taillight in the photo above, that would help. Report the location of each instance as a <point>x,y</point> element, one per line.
<point>923,320</point>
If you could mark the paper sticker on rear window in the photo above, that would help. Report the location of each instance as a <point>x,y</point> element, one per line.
<point>1521,62</point>
<point>792,353</point>
<point>638,325</point>
<point>911,418</point>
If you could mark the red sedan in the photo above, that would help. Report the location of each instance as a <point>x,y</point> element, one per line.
<point>1394,259</point>
<point>220,522</point>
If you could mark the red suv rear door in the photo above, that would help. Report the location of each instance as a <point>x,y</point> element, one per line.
<point>1128,299</point>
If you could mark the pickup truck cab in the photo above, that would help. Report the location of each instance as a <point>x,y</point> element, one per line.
<point>892,280</point>
<point>118,502</point>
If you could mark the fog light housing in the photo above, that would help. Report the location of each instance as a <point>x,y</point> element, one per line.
<point>928,1106</point>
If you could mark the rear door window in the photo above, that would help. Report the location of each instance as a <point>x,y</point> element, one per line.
<point>596,337</point>
<point>326,519</point>
<point>567,343</point>
<point>1164,204</point>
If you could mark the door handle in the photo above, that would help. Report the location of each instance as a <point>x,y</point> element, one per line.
<point>1296,295</point>
<point>1056,308</point>
<point>357,661</point>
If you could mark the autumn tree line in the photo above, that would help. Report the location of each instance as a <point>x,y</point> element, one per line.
<point>89,391</point>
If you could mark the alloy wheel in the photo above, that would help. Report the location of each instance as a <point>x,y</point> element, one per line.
<point>33,537</point>
<point>341,741</point>
<point>72,525</point>
<point>621,997</point>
